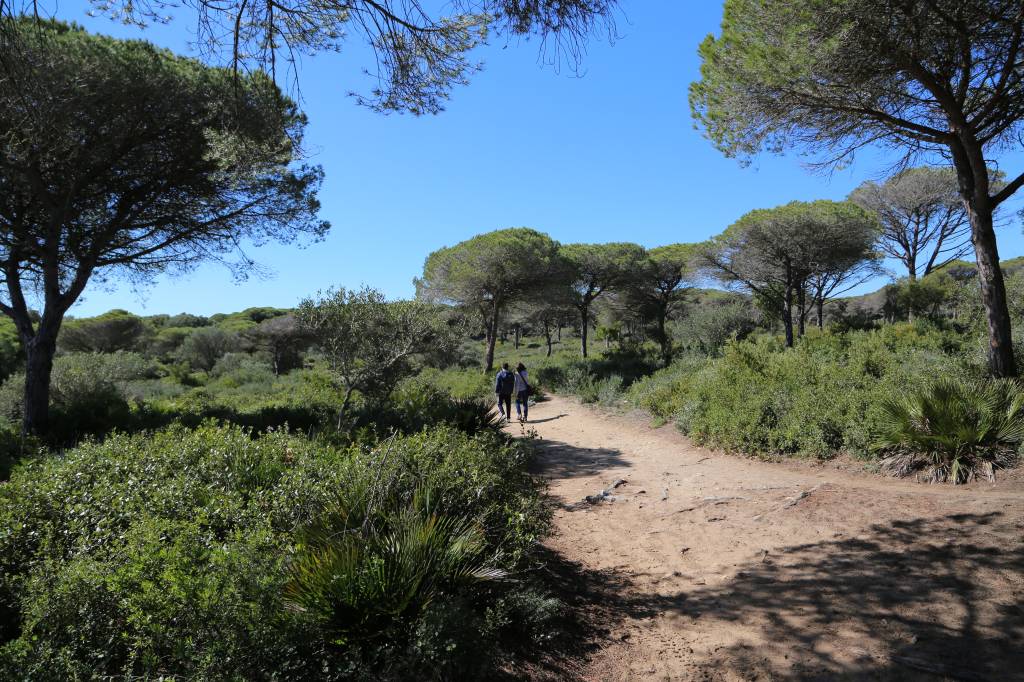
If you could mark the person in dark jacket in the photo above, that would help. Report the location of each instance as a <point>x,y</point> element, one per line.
<point>504,386</point>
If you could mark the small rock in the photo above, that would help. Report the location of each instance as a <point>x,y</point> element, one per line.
<point>624,636</point>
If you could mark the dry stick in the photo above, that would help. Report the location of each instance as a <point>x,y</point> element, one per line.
<point>803,494</point>
<point>792,502</point>
<point>706,501</point>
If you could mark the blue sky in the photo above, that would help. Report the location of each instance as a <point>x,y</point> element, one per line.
<point>609,156</point>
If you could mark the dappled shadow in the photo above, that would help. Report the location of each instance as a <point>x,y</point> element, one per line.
<point>918,599</point>
<point>558,460</point>
<point>585,624</point>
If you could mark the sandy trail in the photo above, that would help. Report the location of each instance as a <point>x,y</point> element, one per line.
<point>712,566</point>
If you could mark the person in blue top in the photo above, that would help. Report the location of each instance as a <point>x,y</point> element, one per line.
<point>504,385</point>
<point>522,393</point>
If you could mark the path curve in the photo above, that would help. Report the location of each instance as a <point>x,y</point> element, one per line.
<point>704,565</point>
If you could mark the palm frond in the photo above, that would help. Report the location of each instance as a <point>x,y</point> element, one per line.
<point>954,429</point>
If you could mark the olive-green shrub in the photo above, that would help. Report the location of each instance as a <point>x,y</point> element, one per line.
<point>168,555</point>
<point>820,398</point>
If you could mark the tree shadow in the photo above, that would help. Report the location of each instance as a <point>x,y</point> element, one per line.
<point>584,626</point>
<point>558,460</point>
<point>937,598</point>
<point>549,419</point>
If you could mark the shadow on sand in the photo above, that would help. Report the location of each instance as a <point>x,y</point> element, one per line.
<point>557,460</point>
<point>922,599</point>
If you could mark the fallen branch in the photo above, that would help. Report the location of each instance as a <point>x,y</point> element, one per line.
<point>704,503</point>
<point>804,494</point>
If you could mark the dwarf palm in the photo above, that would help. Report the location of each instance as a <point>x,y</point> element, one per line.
<point>366,571</point>
<point>955,429</point>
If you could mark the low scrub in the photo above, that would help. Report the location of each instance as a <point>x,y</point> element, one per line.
<point>180,554</point>
<point>954,430</point>
<point>820,398</point>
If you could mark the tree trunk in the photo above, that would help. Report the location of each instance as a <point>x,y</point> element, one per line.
<point>492,336</point>
<point>973,176</point>
<point>39,352</point>
<point>1001,362</point>
<point>547,335</point>
<point>821,312</point>
<point>787,308</point>
<point>584,314</point>
<point>559,331</point>
<point>666,343</point>
<point>518,330</point>
<point>801,303</point>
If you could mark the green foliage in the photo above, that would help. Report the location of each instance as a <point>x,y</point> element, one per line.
<point>15,446</point>
<point>170,554</point>
<point>204,347</point>
<point>822,397</point>
<point>112,331</point>
<point>459,383</point>
<point>954,428</point>
<point>368,341</point>
<point>369,568</point>
<point>600,379</point>
<point>88,393</point>
<point>11,356</point>
<point>705,329</point>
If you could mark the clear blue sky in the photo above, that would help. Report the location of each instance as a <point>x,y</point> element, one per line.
<point>610,156</point>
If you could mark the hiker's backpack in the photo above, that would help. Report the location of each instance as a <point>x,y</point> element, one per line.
<point>506,383</point>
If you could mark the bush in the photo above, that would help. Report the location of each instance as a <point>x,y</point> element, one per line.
<point>169,555</point>
<point>205,346</point>
<point>602,378</point>
<point>817,399</point>
<point>706,329</point>
<point>88,394</point>
<point>953,428</point>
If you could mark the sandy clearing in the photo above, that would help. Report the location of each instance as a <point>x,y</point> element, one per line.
<point>711,566</point>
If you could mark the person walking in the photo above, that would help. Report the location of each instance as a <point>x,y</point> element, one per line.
<point>522,393</point>
<point>504,385</point>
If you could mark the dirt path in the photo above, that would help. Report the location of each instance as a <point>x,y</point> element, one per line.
<point>711,566</point>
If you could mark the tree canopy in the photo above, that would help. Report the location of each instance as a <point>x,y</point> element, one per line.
<point>793,255</point>
<point>419,53</point>
<point>924,222</point>
<point>932,78</point>
<point>103,174</point>
<point>659,286</point>
<point>489,272</point>
<point>592,269</point>
<point>368,341</point>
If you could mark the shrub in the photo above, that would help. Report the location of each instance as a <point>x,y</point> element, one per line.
<point>88,393</point>
<point>169,555</point>
<point>370,565</point>
<point>707,328</point>
<point>953,428</point>
<point>205,346</point>
<point>817,399</point>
